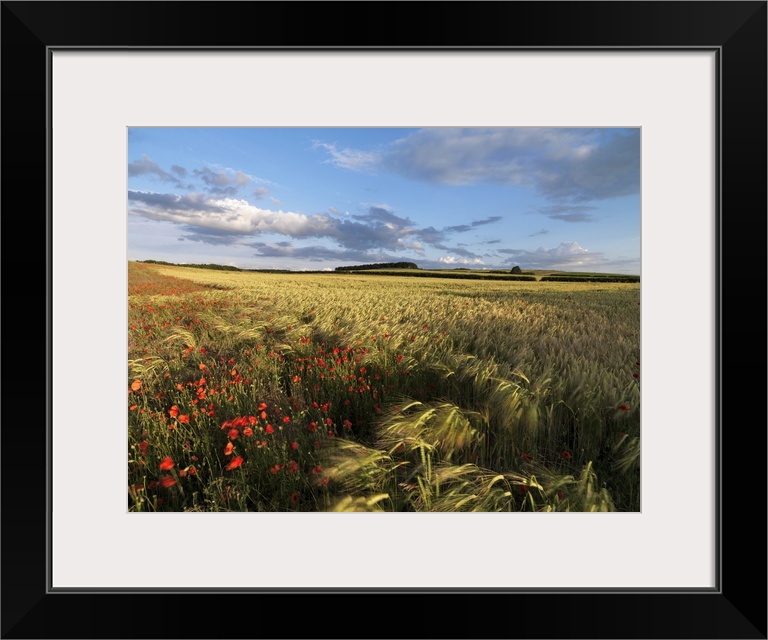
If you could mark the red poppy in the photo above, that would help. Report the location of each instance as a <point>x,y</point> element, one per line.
<point>269,429</point>
<point>566,455</point>
<point>624,407</point>
<point>263,415</point>
<point>192,471</point>
<point>313,426</point>
<point>167,481</point>
<point>184,418</point>
<point>236,462</point>
<point>293,466</point>
<point>166,464</point>
<point>262,406</point>
<point>133,407</point>
<point>635,375</point>
<point>286,419</point>
<point>317,470</point>
<point>143,446</point>
<point>229,449</point>
<point>527,457</point>
<point>173,411</point>
<point>294,498</point>
<point>294,445</point>
<point>136,385</point>
<point>247,431</point>
<point>233,433</point>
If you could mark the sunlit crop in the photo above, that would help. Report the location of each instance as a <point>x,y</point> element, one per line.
<point>298,392</point>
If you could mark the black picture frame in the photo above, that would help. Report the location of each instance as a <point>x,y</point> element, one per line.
<point>735,609</point>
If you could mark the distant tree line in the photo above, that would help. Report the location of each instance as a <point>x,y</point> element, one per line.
<point>216,267</point>
<point>456,274</point>
<point>380,265</point>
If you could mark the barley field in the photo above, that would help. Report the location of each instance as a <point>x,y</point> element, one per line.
<point>342,392</point>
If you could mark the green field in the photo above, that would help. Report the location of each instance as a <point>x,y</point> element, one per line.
<point>362,392</point>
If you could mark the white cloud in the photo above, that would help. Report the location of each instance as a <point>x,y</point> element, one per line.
<point>355,159</point>
<point>567,255</point>
<point>455,260</point>
<point>562,164</point>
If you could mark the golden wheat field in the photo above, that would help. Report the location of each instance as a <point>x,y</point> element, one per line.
<point>344,392</point>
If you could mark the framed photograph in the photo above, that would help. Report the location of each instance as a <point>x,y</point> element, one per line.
<point>114,109</point>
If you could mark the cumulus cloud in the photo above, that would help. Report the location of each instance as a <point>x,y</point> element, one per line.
<point>567,255</point>
<point>318,253</point>
<point>229,215</point>
<point>575,165</point>
<point>431,236</point>
<point>455,260</point>
<point>212,237</point>
<point>212,180</point>
<point>158,206</point>
<point>417,247</point>
<point>382,215</point>
<point>212,220</point>
<point>464,253</point>
<point>225,182</point>
<point>148,167</point>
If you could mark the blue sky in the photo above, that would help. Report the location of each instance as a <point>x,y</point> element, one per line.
<point>318,198</point>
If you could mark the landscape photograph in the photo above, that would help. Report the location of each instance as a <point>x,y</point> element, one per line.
<point>437,319</point>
